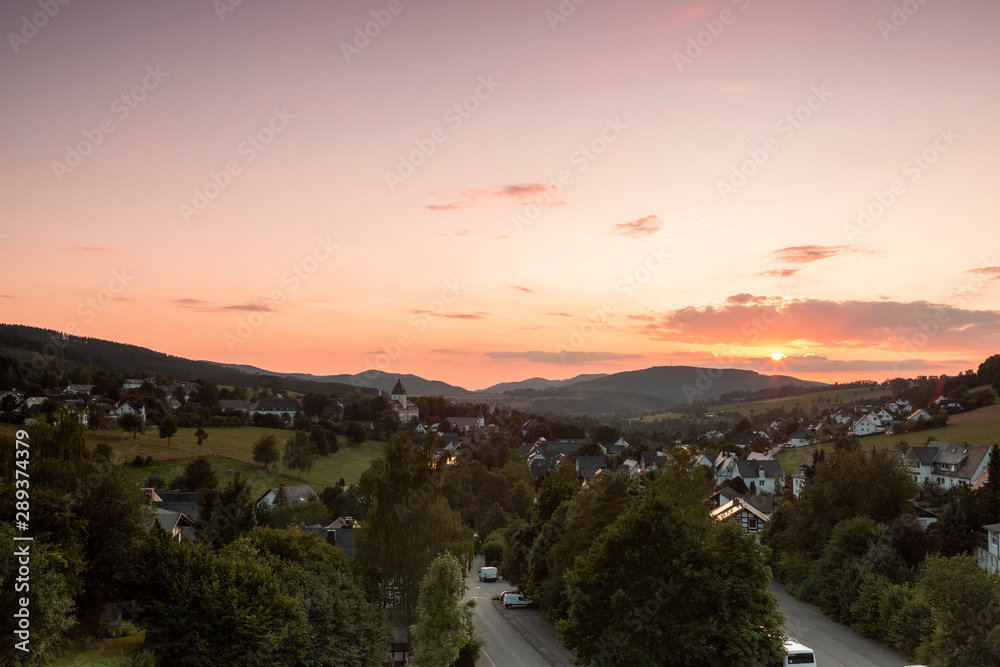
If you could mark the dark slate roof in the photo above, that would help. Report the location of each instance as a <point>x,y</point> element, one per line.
<point>993,527</point>
<point>298,493</point>
<point>750,469</point>
<point>925,455</point>
<point>562,446</point>
<point>277,405</point>
<point>398,389</point>
<point>234,405</point>
<point>647,459</point>
<point>344,540</point>
<point>589,465</point>
<point>185,502</point>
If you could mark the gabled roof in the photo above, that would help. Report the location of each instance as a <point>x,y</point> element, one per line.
<point>734,507</point>
<point>751,469</point>
<point>299,493</point>
<point>169,520</point>
<point>589,465</point>
<point>398,388</point>
<point>993,527</point>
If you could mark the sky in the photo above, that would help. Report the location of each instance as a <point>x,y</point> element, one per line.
<point>480,192</point>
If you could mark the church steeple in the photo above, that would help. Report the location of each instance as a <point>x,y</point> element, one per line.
<point>398,389</point>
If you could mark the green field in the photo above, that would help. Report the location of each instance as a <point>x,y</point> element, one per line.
<point>103,652</point>
<point>821,399</point>
<point>230,449</point>
<point>979,427</point>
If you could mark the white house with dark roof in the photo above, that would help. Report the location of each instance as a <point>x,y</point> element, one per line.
<point>761,476</point>
<point>947,463</point>
<point>867,425</point>
<point>801,438</point>
<point>276,406</point>
<point>919,415</point>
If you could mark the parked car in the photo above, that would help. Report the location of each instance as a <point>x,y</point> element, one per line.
<point>516,600</point>
<point>487,574</point>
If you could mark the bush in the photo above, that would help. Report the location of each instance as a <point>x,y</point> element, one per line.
<point>138,461</point>
<point>155,480</point>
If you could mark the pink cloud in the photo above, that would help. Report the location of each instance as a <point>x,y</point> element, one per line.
<point>761,320</point>
<point>640,227</point>
<point>804,254</point>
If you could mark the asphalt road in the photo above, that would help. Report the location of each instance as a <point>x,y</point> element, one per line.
<point>515,637</point>
<point>835,645</point>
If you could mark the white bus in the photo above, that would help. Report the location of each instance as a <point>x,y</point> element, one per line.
<point>797,654</point>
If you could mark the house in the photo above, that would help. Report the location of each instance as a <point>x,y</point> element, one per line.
<point>617,448</point>
<point>650,461</point>
<point>175,523</point>
<point>988,548</point>
<point>799,476</point>
<point>131,408</point>
<point>841,417</point>
<point>759,456</point>
<point>761,476</point>
<point>630,467</point>
<point>919,415</point>
<point>588,467</point>
<point>724,467</point>
<point>469,423</point>
<point>282,407</point>
<point>947,463</point>
<point>399,402</point>
<point>340,534</point>
<point>867,425</point>
<point>78,389</point>
<point>183,502</point>
<point>801,438</point>
<point>300,493</point>
<point>748,517</point>
<point>132,383</point>
<point>924,516</point>
<point>884,417</point>
<point>235,405</point>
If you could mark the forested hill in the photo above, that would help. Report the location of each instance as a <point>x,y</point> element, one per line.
<point>25,349</point>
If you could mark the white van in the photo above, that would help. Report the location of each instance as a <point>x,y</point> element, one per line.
<point>487,574</point>
<point>797,654</point>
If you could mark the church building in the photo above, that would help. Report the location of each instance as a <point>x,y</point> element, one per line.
<point>402,405</point>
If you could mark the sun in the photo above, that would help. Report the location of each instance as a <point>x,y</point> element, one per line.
<point>778,356</point>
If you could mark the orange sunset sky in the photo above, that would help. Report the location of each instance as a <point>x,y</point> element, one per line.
<point>481,191</point>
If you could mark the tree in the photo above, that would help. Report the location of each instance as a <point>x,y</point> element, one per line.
<point>298,453</point>
<point>956,536</point>
<point>199,475</point>
<point>317,438</point>
<point>132,423</point>
<point>314,403</point>
<point>225,515</point>
<point>444,622</point>
<point>265,450</point>
<point>965,601</point>
<point>97,416</point>
<point>168,428</point>
<point>683,589</point>
<point>202,435</point>
<point>408,525</point>
<point>50,606</point>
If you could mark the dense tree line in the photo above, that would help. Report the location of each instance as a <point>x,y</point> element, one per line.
<point>851,545</point>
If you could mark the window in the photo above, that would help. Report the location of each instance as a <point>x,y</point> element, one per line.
<point>752,525</point>
<point>804,658</point>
